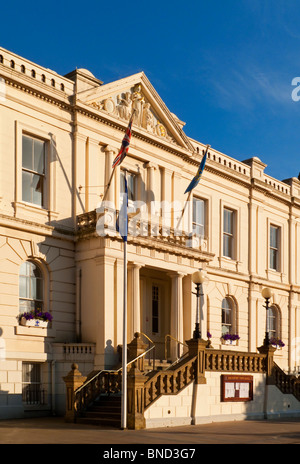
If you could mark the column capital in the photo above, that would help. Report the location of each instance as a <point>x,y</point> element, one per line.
<point>151,165</point>
<point>134,265</point>
<point>109,148</point>
<point>176,274</point>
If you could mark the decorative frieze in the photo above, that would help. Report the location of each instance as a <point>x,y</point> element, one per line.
<point>122,106</point>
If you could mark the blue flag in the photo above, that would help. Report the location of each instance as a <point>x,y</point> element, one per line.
<point>122,221</point>
<point>196,179</point>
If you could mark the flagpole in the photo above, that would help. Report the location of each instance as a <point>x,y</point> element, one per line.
<point>118,160</point>
<point>124,351</point>
<point>182,213</point>
<point>114,168</point>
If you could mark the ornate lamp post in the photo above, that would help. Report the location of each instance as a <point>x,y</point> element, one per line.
<point>266,294</point>
<point>198,279</point>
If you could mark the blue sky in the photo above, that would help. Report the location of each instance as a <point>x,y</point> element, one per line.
<point>223,67</point>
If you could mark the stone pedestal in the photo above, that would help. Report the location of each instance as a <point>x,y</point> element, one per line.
<point>135,390</point>
<point>197,348</point>
<point>268,350</point>
<point>135,348</point>
<point>73,380</point>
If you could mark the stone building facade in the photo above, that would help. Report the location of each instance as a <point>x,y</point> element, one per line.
<point>60,251</point>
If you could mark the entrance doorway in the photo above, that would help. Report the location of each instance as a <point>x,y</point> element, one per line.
<point>155,308</point>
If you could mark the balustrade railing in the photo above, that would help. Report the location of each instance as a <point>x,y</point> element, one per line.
<point>103,382</point>
<point>191,367</point>
<point>104,223</point>
<point>234,361</point>
<point>169,382</point>
<point>286,383</point>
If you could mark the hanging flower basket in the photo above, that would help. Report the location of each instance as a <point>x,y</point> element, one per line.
<point>277,343</point>
<point>33,322</point>
<point>230,339</point>
<point>35,318</point>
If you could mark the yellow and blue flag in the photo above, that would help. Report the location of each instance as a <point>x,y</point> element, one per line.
<point>196,179</point>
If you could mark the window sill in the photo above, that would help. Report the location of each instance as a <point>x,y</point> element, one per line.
<point>222,346</point>
<point>37,213</point>
<point>229,263</point>
<point>272,274</point>
<point>35,331</point>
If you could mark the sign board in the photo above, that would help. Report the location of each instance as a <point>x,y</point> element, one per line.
<point>236,387</point>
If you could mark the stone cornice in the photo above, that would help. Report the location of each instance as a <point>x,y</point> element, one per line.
<point>33,227</point>
<point>53,96</point>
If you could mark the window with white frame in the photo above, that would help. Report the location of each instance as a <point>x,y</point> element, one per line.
<point>228,233</point>
<point>273,322</point>
<point>227,316</point>
<point>31,287</point>
<point>131,184</point>
<point>33,170</point>
<point>199,216</point>
<point>274,249</point>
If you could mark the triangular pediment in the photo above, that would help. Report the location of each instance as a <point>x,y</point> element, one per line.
<point>119,98</point>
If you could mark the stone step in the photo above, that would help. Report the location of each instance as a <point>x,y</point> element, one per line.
<point>105,411</point>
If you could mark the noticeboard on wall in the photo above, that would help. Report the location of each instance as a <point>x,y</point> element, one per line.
<point>236,388</point>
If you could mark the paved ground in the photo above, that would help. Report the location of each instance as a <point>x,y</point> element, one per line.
<point>54,430</point>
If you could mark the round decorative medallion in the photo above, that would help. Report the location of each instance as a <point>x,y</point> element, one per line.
<point>109,105</point>
<point>161,130</point>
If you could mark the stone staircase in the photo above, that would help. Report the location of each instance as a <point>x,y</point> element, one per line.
<point>106,410</point>
<point>160,364</point>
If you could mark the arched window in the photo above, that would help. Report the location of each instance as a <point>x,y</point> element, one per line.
<point>228,316</point>
<point>23,68</point>
<point>43,78</point>
<point>32,73</point>
<point>12,64</point>
<point>31,287</point>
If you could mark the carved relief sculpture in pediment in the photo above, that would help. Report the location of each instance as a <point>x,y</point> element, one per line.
<point>122,105</point>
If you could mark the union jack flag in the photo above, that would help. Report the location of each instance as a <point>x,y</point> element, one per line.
<point>124,147</point>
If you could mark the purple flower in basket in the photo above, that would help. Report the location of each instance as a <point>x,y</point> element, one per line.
<point>229,336</point>
<point>277,342</point>
<point>36,314</point>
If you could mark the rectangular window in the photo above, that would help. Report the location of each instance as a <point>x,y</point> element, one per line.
<point>228,233</point>
<point>33,170</point>
<point>274,247</point>
<point>155,308</point>
<point>32,391</point>
<point>198,217</point>
<point>272,322</point>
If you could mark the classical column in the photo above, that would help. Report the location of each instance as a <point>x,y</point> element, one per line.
<point>104,317</point>
<point>176,316</point>
<point>150,183</point>
<point>109,158</point>
<point>119,300</point>
<point>134,306</point>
